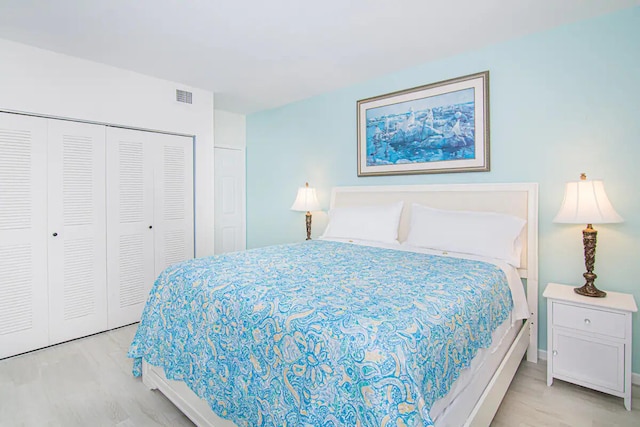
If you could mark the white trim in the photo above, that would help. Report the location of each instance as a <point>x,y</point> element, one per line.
<point>91,122</point>
<point>195,408</point>
<point>542,354</point>
<point>491,398</point>
<point>229,147</point>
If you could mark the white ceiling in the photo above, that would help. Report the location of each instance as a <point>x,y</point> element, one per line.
<point>259,54</point>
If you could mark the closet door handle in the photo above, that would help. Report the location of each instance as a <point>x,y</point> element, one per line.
<point>150,227</point>
<point>55,234</point>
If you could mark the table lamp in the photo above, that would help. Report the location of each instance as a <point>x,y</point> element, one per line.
<point>585,202</point>
<point>306,201</point>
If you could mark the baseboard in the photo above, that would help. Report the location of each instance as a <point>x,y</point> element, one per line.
<point>542,354</point>
<point>635,377</point>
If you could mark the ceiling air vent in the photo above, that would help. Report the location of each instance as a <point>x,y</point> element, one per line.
<point>184,96</point>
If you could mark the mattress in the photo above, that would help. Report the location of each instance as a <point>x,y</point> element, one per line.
<point>453,409</point>
<point>354,344</point>
<point>520,305</point>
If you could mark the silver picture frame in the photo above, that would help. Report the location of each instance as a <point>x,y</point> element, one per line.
<point>441,127</point>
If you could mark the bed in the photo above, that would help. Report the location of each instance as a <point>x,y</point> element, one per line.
<point>359,372</point>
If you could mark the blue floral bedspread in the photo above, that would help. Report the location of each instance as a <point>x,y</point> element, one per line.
<point>321,333</point>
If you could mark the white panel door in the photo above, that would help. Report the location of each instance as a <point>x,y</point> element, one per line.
<point>173,206</point>
<point>23,234</point>
<point>575,355</point>
<point>229,200</point>
<point>77,230</point>
<point>130,265</point>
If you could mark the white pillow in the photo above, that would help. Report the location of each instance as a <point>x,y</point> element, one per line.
<point>487,234</point>
<point>374,223</point>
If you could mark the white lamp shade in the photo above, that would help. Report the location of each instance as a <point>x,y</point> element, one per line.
<point>306,200</point>
<point>585,202</point>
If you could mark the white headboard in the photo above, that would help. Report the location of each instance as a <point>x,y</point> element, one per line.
<point>518,199</point>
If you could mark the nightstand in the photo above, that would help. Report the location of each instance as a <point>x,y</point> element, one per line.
<point>589,340</point>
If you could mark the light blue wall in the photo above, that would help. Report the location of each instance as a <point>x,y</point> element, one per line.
<point>563,102</point>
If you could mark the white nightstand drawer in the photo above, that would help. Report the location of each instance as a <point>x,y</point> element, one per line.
<point>589,320</point>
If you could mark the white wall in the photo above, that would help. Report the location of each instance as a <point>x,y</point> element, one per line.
<point>43,82</point>
<point>563,101</point>
<point>230,130</point>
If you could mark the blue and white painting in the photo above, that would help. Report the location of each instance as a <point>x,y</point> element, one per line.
<point>438,128</point>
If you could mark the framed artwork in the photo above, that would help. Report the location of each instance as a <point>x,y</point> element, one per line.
<point>437,128</point>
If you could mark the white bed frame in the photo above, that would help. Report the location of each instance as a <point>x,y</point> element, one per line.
<point>519,199</point>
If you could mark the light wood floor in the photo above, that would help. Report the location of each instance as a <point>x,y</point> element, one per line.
<point>60,386</point>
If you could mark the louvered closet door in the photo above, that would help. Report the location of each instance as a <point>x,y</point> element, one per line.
<point>130,265</point>
<point>173,207</point>
<point>23,234</point>
<point>77,230</point>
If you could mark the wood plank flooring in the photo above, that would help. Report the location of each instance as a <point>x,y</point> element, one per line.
<point>61,386</point>
<point>529,402</point>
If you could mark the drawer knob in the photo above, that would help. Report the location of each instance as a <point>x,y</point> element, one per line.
<point>587,321</point>
<point>555,352</point>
